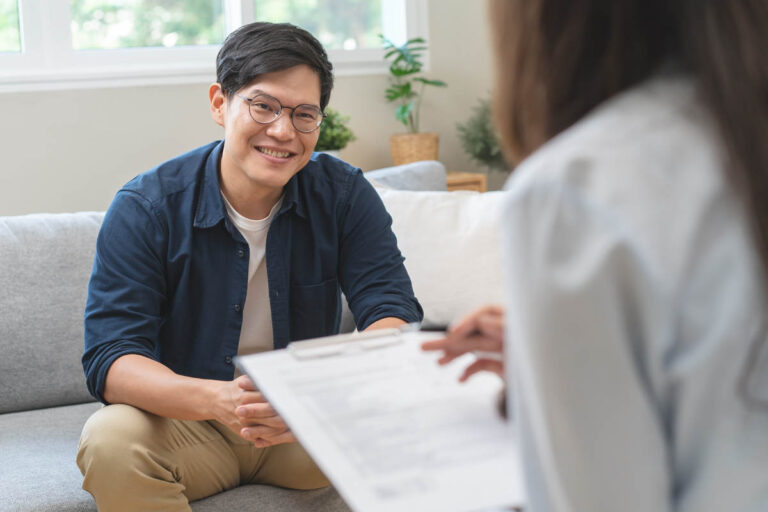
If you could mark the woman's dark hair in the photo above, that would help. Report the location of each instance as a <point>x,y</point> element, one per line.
<point>558,59</point>
<point>259,48</point>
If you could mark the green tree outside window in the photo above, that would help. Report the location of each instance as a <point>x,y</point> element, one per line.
<point>9,26</point>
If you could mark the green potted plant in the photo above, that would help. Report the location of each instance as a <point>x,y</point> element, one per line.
<point>479,138</point>
<point>406,90</point>
<point>334,133</point>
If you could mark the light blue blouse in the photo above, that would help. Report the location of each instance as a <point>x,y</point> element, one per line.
<point>636,316</point>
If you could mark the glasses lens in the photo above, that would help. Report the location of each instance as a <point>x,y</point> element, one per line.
<point>264,109</point>
<point>307,118</point>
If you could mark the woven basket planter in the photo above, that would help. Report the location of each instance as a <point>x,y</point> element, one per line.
<point>413,147</point>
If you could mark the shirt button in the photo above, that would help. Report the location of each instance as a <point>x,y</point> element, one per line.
<point>277,293</point>
<point>240,253</point>
<point>237,307</point>
<point>228,360</point>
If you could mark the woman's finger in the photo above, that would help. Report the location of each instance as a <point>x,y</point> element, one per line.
<point>473,321</point>
<point>489,365</point>
<point>491,323</point>
<point>472,343</point>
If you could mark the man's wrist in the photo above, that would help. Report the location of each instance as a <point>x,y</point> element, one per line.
<point>386,323</point>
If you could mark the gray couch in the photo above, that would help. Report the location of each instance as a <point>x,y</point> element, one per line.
<point>45,262</point>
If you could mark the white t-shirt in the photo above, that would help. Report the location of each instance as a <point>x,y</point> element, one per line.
<point>256,331</point>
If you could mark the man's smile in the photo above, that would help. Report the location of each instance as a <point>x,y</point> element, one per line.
<point>274,153</point>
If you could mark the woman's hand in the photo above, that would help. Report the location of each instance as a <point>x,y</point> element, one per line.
<point>481,333</point>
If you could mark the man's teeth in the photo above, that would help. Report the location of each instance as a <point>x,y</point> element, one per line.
<point>278,154</point>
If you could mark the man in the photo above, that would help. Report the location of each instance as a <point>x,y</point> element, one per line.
<point>235,247</point>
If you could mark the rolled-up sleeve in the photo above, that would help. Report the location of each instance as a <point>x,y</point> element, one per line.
<point>127,289</point>
<point>372,274</point>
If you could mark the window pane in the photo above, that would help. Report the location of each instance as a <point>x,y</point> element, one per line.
<point>9,26</point>
<point>100,24</point>
<point>338,24</point>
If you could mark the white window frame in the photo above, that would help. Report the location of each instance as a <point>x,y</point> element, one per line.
<point>48,61</point>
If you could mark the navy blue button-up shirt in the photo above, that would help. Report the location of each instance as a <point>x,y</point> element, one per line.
<point>171,271</point>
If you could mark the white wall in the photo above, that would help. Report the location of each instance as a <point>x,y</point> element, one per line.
<point>72,150</point>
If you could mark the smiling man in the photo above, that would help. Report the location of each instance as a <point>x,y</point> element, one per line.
<point>239,246</point>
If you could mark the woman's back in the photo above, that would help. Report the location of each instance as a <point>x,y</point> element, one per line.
<point>635,308</point>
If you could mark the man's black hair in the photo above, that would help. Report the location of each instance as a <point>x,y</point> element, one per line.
<point>259,48</point>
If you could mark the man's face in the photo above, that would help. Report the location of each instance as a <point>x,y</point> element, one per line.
<point>263,157</point>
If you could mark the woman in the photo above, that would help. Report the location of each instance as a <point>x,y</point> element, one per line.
<point>636,239</point>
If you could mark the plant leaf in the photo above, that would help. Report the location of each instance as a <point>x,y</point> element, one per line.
<point>399,91</point>
<point>436,83</point>
<point>402,112</point>
<point>400,72</point>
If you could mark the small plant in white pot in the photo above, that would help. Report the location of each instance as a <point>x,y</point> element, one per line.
<point>334,133</point>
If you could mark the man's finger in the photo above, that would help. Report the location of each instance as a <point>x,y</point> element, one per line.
<point>273,436</point>
<point>275,422</point>
<point>251,397</point>
<point>255,432</point>
<point>256,410</point>
<point>245,382</point>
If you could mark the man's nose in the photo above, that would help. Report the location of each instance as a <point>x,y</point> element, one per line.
<point>282,127</point>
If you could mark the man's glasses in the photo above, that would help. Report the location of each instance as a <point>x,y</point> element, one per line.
<point>265,109</point>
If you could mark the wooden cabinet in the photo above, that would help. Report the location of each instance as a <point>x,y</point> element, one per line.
<point>467,181</point>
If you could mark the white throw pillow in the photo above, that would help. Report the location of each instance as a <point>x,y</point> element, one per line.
<point>450,241</point>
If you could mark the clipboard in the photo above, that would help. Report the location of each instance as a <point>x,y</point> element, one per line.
<point>351,342</point>
<point>390,428</point>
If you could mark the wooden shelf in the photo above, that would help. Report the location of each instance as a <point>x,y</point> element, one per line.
<point>467,181</point>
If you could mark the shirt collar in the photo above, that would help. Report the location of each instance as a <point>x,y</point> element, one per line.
<point>291,197</point>
<point>210,206</point>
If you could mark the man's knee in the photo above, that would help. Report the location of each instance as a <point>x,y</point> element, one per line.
<point>111,433</point>
<point>289,465</point>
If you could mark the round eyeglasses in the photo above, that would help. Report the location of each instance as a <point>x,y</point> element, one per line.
<point>265,109</point>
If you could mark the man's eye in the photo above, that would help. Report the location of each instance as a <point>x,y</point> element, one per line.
<point>262,106</point>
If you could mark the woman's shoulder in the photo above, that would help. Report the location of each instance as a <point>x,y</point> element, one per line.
<point>645,167</point>
<point>651,135</point>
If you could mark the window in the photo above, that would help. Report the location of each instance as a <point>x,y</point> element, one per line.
<point>9,26</point>
<point>99,25</point>
<point>96,43</point>
<point>357,28</point>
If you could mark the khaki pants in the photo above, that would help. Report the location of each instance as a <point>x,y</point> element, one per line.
<point>134,460</point>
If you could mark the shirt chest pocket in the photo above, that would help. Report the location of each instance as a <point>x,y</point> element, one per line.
<point>314,309</point>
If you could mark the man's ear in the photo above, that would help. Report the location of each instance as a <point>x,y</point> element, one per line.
<point>218,102</point>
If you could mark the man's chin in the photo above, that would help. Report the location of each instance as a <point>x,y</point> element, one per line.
<point>271,179</point>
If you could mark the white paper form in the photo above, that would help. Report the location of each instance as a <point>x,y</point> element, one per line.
<point>391,429</point>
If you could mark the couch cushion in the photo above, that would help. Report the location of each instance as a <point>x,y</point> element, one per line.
<point>424,175</point>
<point>45,263</point>
<point>37,460</point>
<point>38,470</point>
<point>450,241</point>
<point>272,499</point>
